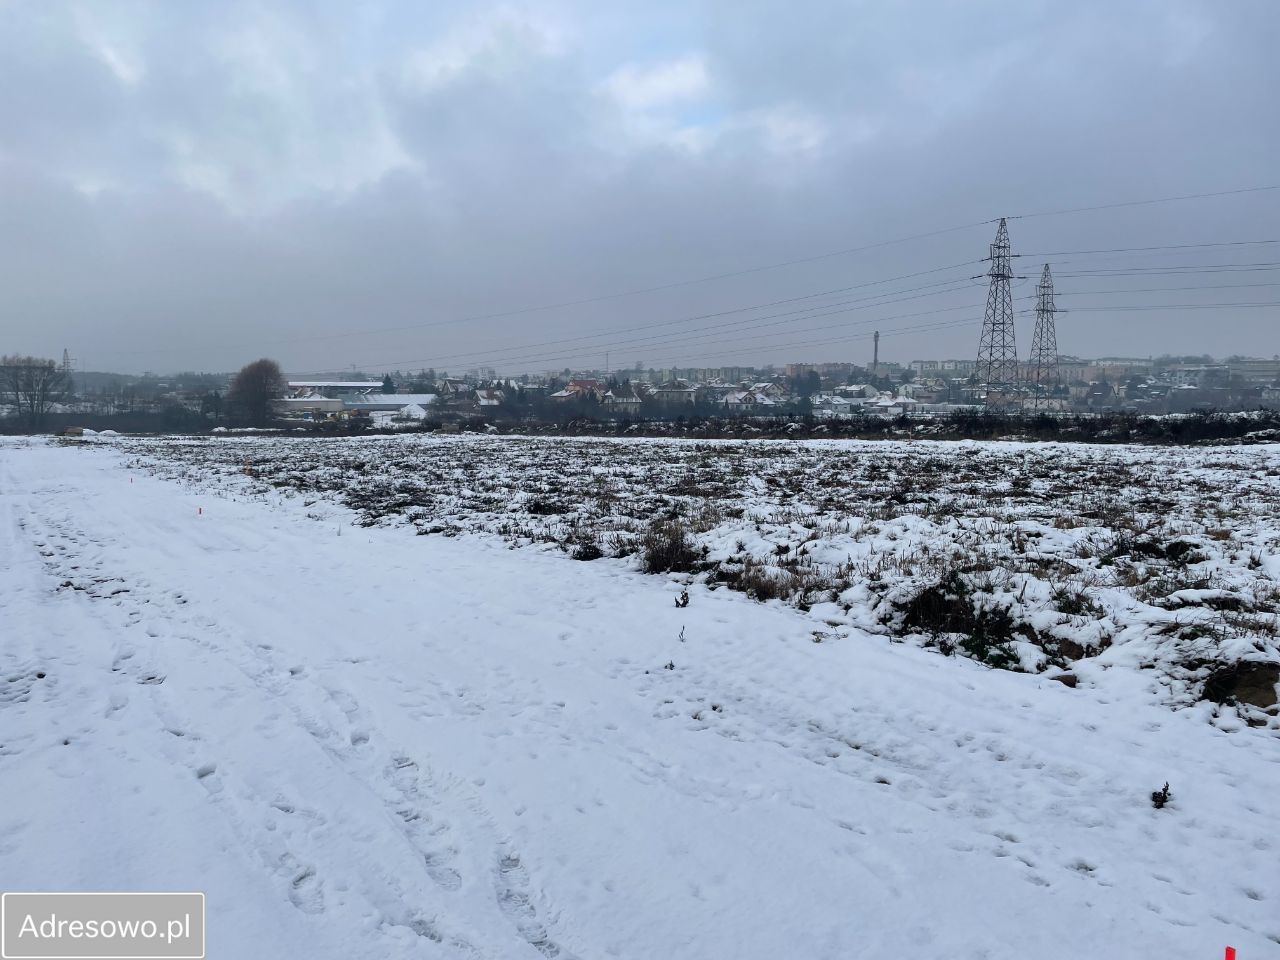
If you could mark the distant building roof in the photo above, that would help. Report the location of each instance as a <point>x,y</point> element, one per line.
<point>339,384</point>
<point>388,401</point>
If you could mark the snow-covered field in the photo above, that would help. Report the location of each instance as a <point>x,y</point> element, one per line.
<point>1057,558</point>
<point>364,743</point>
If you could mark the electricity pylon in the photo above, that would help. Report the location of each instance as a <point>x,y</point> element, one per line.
<point>1043,375</point>
<point>997,355</point>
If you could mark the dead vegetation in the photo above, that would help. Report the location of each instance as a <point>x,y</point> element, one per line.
<point>1020,556</point>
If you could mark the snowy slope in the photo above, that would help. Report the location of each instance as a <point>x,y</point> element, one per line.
<point>363,743</point>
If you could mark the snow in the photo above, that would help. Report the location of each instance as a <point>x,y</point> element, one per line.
<point>364,743</point>
<point>1090,551</point>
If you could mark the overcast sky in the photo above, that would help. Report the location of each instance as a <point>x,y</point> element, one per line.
<point>189,185</point>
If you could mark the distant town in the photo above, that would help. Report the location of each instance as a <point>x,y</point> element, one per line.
<point>388,399</point>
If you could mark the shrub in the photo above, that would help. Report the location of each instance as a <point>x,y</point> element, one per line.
<point>665,545</point>
<point>947,607</point>
<point>1076,603</point>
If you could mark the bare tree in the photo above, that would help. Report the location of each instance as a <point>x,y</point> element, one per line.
<point>33,386</point>
<point>253,390</point>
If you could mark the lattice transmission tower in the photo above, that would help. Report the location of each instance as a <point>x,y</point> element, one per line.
<point>997,355</point>
<point>1043,375</point>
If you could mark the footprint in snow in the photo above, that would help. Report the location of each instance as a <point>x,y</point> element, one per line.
<point>512,887</point>
<point>207,775</point>
<point>305,890</point>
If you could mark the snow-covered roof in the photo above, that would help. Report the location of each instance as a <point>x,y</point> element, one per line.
<point>749,396</point>
<point>338,384</point>
<point>395,399</point>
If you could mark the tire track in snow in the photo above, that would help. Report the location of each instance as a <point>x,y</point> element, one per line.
<point>413,793</point>
<point>411,798</point>
<point>266,827</point>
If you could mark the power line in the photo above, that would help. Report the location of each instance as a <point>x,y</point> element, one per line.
<point>474,356</point>
<point>1176,306</point>
<point>1098,207</point>
<point>1263,267</point>
<point>1142,203</point>
<point>601,298</point>
<point>1024,312</point>
<point>1202,286</point>
<point>825,341</point>
<point>729,274</point>
<point>1173,246</point>
<point>965,322</point>
<point>710,339</point>
<point>915,328</point>
<point>693,336</point>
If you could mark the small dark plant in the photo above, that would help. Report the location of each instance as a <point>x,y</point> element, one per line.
<point>682,601</point>
<point>1160,797</point>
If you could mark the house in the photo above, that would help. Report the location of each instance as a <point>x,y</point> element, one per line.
<point>488,401</point>
<point>581,390</point>
<point>716,390</point>
<point>834,406</point>
<point>887,406</point>
<point>1198,374</point>
<point>1100,394</point>
<point>388,402</point>
<point>928,392</point>
<point>1255,370</point>
<point>745,401</point>
<point>336,389</point>
<point>774,391</point>
<point>594,387</point>
<point>858,390</point>
<point>625,399</point>
<point>675,393</point>
<point>451,386</point>
<point>314,407</point>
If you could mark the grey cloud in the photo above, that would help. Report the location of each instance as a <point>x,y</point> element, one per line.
<point>267,177</point>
